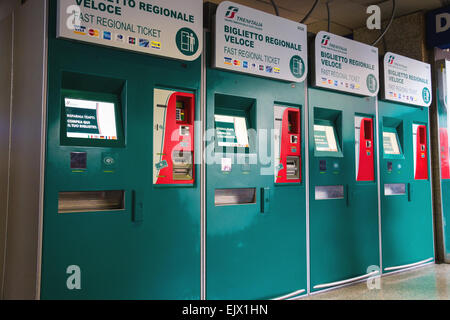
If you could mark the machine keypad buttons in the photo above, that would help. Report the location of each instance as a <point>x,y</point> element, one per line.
<point>78,160</point>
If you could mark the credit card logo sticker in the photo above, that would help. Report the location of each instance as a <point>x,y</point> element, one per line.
<point>79,30</point>
<point>94,33</point>
<point>144,43</point>
<point>156,45</point>
<point>120,38</point>
<point>106,35</point>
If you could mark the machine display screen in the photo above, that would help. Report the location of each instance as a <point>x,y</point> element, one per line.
<point>390,143</point>
<point>231,131</point>
<point>325,138</point>
<point>90,119</point>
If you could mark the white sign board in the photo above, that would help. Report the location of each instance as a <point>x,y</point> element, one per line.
<point>406,80</point>
<point>345,65</point>
<point>255,42</point>
<point>168,28</point>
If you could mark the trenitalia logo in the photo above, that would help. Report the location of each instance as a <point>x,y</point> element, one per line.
<point>325,40</point>
<point>391,59</point>
<point>231,12</point>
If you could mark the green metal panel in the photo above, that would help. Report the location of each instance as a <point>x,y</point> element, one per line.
<point>344,239</point>
<point>154,254</point>
<point>254,255</point>
<point>406,220</point>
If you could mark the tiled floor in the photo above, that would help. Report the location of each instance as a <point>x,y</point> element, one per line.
<point>430,282</point>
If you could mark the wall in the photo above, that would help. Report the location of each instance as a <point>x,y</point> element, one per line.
<point>406,37</point>
<point>5,106</point>
<point>22,265</point>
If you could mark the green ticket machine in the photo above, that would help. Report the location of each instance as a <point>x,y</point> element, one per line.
<point>405,189</point>
<point>343,202</point>
<point>122,193</point>
<point>255,186</point>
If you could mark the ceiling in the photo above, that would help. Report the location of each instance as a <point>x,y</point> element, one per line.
<point>345,15</point>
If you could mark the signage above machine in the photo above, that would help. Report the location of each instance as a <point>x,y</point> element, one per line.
<point>406,80</point>
<point>169,28</point>
<point>254,42</point>
<point>345,65</point>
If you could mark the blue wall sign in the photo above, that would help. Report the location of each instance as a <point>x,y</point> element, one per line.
<point>438,28</point>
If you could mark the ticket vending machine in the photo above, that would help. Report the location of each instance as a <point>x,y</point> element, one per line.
<point>122,193</point>
<point>343,202</point>
<point>406,208</point>
<point>255,187</point>
<point>443,89</point>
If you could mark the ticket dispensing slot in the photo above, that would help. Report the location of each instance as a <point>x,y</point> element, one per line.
<point>364,149</point>
<point>173,137</point>
<point>394,189</point>
<point>420,152</point>
<point>234,196</point>
<point>90,201</point>
<point>329,192</point>
<point>287,144</point>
